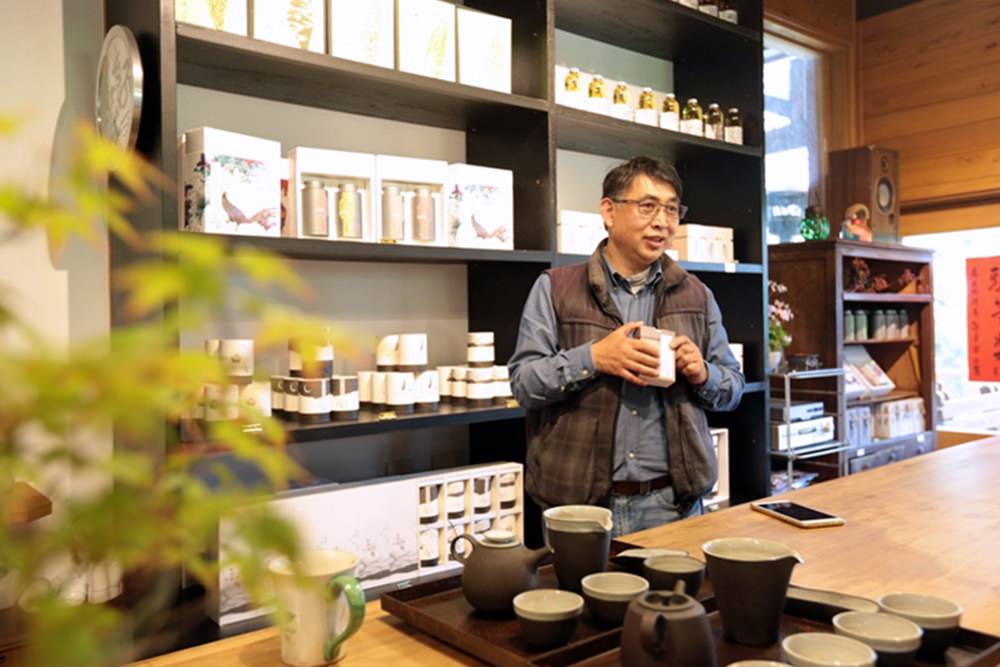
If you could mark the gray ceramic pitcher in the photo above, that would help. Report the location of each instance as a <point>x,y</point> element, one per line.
<point>750,579</point>
<point>580,538</point>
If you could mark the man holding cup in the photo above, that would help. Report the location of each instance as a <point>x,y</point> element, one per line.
<point>599,432</point>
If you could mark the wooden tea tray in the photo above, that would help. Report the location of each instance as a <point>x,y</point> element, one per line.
<point>439,609</point>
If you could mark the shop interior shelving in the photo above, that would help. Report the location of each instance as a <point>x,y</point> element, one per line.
<point>818,277</point>
<point>519,131</point>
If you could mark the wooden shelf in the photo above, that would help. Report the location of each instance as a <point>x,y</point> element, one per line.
<point>658,28</point>
<point>348,251</point>
<point>587,132</point>
<point>563,259</point>
<point>236,64</point>
<point>864,297</point>
<point>885,341</point>
<point>895,395</point>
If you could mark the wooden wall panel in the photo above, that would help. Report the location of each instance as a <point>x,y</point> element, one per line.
<point>930,88</point>
<point>825,20</point>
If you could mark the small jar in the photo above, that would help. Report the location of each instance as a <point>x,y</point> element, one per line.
<point>904,324</point>
<point>670,113</point>
<point>878,325</point>
<point>458,385</point>
<point>733,130</point>
<point>693,118</point>
<point>714,122</point>
<point>647,113</point>
<point>596,91</point>
<point>572,82</point>
<point>349,212</point>
<point>861,325</point>
<point>727,11</point>
<point>314,403</point>
<point>392,214</point>
<point>620,107</point>
<point>315,209</point>
<point>277,396</point>
<point>892,324</point>
<point>423,216</point>
<point>848,325</point>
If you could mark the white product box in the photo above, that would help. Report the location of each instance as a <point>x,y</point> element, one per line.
<point>410,175</point>
<point>298,23</point>
<point>480,207</point>
<point>720,443</point>
<point>231,183</point>
<point>227,15</point>
<point>702,243</point>
<point>484,50</point>
<point>364,31</point>
<point>578,233</point>
<point>874,379</point>
<point>801,434</point>
<point>335,169</point>
<point>737,350</point>
<point>668,370</point>
<point>425,38</point>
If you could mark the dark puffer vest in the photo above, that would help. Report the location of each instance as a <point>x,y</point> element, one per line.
<point>571,443</point>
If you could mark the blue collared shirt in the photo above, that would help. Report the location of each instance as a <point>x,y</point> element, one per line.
<point>541,373</point>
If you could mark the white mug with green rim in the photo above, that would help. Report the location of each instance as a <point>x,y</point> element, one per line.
<point>326,605</point>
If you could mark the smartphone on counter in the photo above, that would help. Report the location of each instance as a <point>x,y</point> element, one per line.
<point>797,515</point>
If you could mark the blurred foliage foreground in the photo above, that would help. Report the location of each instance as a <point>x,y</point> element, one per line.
<point>149,514</point>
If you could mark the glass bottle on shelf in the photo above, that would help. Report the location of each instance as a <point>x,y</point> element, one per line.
<point>727,11</point>
<point>891,324</point>
<point>861,325</point>
<point>620,106</point>
<point>572,82</point>
<point>693,118</point>
<point>392,214</point>
<point>349,211</point>
<point>597,97</point>
<point>315,209</point>
<point>423,216</point>
<point>670,115</point>
<point>710,7</point>
<point>849,325</point>
<point>878,325</point>
<point>904,324</point>
<point>646,113</point>
<point>733,132</point>
<point>713,122</point>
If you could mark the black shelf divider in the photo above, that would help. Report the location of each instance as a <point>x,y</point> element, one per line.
<point>371,423</point>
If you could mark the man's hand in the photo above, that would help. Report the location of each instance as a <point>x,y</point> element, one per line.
<point>689,360</point>
<point>630,358</point>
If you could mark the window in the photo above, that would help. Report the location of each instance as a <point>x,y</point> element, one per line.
<point>792,136</point>
<point>964,404</point>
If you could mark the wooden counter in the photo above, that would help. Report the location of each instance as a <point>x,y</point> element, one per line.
<point>929,524</point>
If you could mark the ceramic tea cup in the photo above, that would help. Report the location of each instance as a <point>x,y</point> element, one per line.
<point>758,663</point>
<point>608,594</point>
<point>894,638</point>
<point>580,537</point>
<point>326,605</point>
<point>663,572</point>
<point>939,618</point>
<point>750,578</point>
<point>822,649</point>
<point>548,616</point>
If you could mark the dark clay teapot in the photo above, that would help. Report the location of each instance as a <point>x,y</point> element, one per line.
<point>667,628</point>
<point>498,568</point>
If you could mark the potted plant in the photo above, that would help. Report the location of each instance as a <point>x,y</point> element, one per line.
<point>779,313</point>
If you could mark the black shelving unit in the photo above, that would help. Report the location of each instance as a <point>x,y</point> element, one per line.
<point>713,60</point>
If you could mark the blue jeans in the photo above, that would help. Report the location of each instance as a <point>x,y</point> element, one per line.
<point>634,513</point>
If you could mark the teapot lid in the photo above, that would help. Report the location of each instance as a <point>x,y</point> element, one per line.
<point>668,601</point>
<point>499,539</point>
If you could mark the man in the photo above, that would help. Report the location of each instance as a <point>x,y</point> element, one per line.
<point>597,432</point>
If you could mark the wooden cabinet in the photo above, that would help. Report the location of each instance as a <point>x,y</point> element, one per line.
<point>819,278</point>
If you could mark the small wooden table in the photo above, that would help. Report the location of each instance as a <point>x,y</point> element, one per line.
<point>929,524</point>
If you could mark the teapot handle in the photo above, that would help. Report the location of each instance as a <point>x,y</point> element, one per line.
<point>461,558</point>
<point>653,633</point>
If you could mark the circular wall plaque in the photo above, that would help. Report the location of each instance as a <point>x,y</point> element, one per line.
<point>119,88</point>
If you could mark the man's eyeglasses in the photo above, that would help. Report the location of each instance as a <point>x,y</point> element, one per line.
<point>648,208</point>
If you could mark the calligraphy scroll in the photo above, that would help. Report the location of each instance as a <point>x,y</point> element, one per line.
<point>983,280</point>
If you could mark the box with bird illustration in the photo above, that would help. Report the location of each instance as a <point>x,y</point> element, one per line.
<point>231,183</point>
<point>480,207</point>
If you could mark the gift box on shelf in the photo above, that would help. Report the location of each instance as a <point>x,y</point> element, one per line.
<point>298,23</point>
<point>425,38</point>
<point>484,50</point>
<point>703,243</point>
<point>364,31</point>
<point>578,233</point>
<point>231,183</point>
<point>225,15</point>
<point>480,207</point>
<point>331,195</point>
<point>411,200</point>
